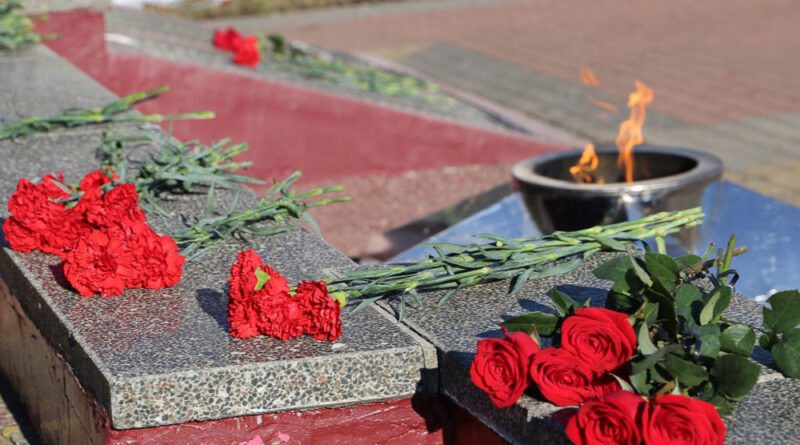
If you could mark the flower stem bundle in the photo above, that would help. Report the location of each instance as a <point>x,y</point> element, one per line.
<point>15,28</point>
<point>279,203</point>
<point>112,112</point>
<point>458,266</point>
<point>177,167</point>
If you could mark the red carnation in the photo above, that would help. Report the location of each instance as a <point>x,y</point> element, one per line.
<point>120,205</point>
<point>612,419</point>
<point>677,419</point>
<point>19,237</point>
<point>279,315</point>
<point>501,366</point>
<point>322,312</point>
<point>97,179</point>
<point>565,380</point>
<point>99,263</point>
<point>247,52</point>
<point>602,338</point>
<point>242,285</point>
<point>36,221</point>
<point>228,40</point>
<point>242,306</point>
<point>157,260</point>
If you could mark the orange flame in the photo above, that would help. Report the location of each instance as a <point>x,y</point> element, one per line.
<point>586,164</point>
<point>588,77</point>
<point>630,132</point>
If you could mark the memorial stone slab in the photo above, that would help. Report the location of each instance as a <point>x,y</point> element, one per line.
<point>162,357</point>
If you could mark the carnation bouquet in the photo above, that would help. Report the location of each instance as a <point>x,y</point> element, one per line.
<point>99,227</point>
<point>657,365</point>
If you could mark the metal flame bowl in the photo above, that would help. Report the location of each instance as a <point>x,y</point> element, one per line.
<point>664,179</point>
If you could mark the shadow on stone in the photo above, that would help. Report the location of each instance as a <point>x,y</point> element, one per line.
<point>213,303</point>
<point>456,424</point>
<point>58,274</point>
<point>581,293</point>
<point>531,306</point>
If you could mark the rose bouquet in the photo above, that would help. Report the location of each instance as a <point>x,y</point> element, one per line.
<point>657,365</point>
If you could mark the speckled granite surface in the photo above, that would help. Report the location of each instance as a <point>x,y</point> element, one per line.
<point>473,314</point>
<point>163,357</point>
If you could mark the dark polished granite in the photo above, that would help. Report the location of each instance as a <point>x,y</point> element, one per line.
<point>164,357</point>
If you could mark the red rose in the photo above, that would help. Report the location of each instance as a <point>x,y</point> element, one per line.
<point>156,258</point>
<point>279,315</point>
<point>602,338</point>
<point>99,263</point>
<point>612,419</point>
<point>228,40</point>
<point>565,380</point>
<point>676,419</point>
<point>247,52</point>
<point>323,314</point>
<point>501,366</point>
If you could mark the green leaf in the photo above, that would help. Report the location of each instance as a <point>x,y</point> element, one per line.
<point>717,302</point>
<point>710,344</point>
<point>543,323</point>
<point>654,358</point>
<point>738,339</point>
<point>646,345</point>
<point>641,382</point>
<point>610,243</point>
<point>448,247</point>
<point>666,309</point>
<point>687,261</point>
<point>364,303</point>
<point>620,297</point>
<point>768,340</point>
<point>622,383</point>
<point>784,311</point>
<point>723,405</point>
<point>561,268</point>
<point>637,268</point>
<point>786,353</point>
<point>687,294</point>
<point>662,269</point>
<point>263,278</point>
<point>650,312</point>
<point>735,375</point>
<point>563,302</point>
<point>613,269</point>
<point>688,373</point>
<point>520,280</point>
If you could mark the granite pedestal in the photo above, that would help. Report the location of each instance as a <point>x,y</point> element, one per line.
<point>154,358</point>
